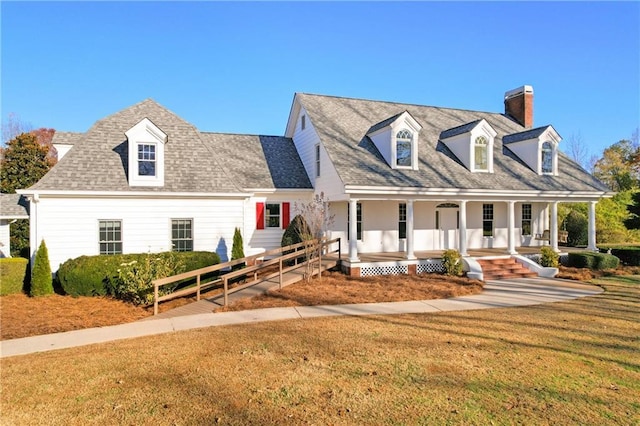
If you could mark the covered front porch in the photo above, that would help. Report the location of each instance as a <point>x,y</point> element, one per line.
<point>426,261</point>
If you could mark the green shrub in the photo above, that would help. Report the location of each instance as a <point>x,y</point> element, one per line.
<point>133,281</point>
<point>629,256</point>
<point>13,271</point>
<point>294,232</point>
<point>452,262</point>
<point>41,278</point>
<point>548,257</point>
<point>87,275</point>
<point>596,261</point>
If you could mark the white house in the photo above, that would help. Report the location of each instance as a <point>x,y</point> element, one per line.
<point>399,178</point>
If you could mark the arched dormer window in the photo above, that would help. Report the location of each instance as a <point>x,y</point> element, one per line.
<point>546,159</point>
<point>404,143</point>
<point>480,153</point>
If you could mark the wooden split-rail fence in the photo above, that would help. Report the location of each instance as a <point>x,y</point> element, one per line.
<point>288,258</point>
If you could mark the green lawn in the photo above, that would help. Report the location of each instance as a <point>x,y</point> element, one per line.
<point>575,362</point>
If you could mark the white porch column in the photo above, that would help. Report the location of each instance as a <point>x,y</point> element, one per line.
<point>511,221</point>
<point>462,231</point>
<point>353,230</point>
<point>410,254</point>
<point>591,245</point>
<point>553,237</point>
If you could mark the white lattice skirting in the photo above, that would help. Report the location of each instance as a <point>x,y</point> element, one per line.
<point>422,267</point>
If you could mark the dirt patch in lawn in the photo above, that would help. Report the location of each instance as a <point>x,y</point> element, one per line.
<point>23,316</point>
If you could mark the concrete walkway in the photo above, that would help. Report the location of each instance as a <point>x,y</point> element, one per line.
<point>496,294</point>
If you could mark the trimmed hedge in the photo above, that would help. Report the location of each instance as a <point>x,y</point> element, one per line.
<point>87,275</point>
<point>13,271</point>
<point>628,255</point>
<point>596,261</point>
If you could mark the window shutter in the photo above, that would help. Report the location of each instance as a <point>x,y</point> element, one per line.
<point>259,215</point>
<point>285,215</point>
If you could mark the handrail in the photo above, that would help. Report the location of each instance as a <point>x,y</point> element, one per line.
<point>299,251</point>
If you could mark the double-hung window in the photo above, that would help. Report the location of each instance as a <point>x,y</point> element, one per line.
<point>487,220</point>
<point>272,215</point>
<point>526,219</point>
<point>358,221</point>
<point>318,160</point>
<point>110,236</point>
<point>146,159</point>
<point>402,220</point>
<point>182,234</point>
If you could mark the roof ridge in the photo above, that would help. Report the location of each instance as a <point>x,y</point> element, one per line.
<point>242,134</point>
<point>400,103</point>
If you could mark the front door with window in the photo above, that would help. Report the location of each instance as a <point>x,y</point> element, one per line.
<point>447,222</point>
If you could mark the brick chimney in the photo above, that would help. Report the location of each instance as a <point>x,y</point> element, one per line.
<point>518,104</point>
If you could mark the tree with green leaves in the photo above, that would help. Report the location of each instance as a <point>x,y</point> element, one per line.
<point>24,161</point>
<point>41,279</point>
<point>619,167</point>
<point>633,221</point>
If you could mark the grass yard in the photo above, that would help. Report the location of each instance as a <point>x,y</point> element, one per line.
<point>574,362</point>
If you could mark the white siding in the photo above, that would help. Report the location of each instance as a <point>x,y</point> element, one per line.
<point>259,240</point>
<point>305,142</point>
<point>382,141</point>
<point>5,240</point>
<point>529,152</point>
<point>70,226</point>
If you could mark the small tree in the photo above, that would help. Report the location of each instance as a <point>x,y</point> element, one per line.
<point>317,219</point>
<point>41,279</point>
<point>237,250</point>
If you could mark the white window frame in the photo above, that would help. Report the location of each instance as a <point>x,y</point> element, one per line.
<point>483,143</point>
<point>404,137</point>
<point>524,219</point>
<point>317,151</point>
<point>402,220</point>
<point>488,216</point>
<point>359,230</point>
<point>153,161</point>
<point>107,241</point>
<point>552,160</point>
<point>174,246</point>
<point>268,216</point>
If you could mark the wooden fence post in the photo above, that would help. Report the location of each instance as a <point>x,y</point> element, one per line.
<point>155,299</point>
<point>198,286</point>
<point>226,289</point>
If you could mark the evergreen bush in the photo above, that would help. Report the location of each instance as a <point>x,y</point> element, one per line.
<point>294,233</point>
<point>41,278</point>
<point>548,257</point>
<point>629,256</point>
<point>452,262</point>
<point>13,272</point>
<point>88,275</point>
<point>595,261</point>
<point>237,250</point>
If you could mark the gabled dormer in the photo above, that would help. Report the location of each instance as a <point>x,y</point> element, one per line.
<point>397,140</point>
<point>537,148</point>
<point>472,143</point>
<point>146,143</point>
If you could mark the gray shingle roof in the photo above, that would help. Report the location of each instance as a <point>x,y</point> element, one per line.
<point>98,160</point>
<point>523,136</point>
<point>342,124</point>
<point>13,206</point>
<point>384,123</point>
<point>259,161</point>
<point>459,130</point>
<point>66,138</point>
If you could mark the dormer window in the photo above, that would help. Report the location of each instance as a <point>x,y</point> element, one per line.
<point>404,141</point>
<point>472,143</point>
<point>146,144</point>
<point>397,140</point>
<point>146,160</point>
<point>480,150</point>
<point>537,148</point>
<point>547,158</point>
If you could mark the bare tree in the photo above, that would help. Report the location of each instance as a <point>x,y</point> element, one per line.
<point>578,150</point>
<point>14,126</point>
<point>317,219</point>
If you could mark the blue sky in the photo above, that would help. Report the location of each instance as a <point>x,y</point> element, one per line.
<point>234,67</point>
